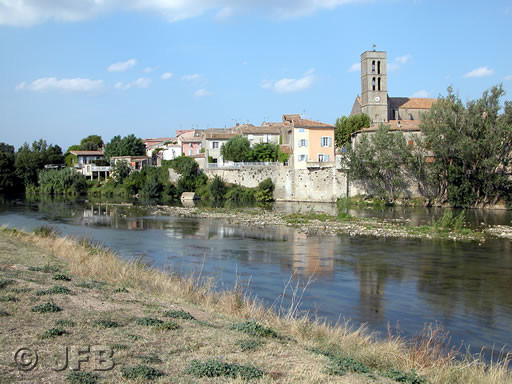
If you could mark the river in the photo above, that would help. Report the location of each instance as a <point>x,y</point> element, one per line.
<point>378,281</point>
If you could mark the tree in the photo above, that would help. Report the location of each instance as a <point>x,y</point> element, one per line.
<point>8,178</point>
<point>346,126</point>
<point>120,171</point>
<point>380,162</point>
<point>126,146</point>
<point>91,143</point>
<point>217,189</point>
<point>262,152</point>
<point>237,149</point>
<point>31,159</point>
<point>472,149</point>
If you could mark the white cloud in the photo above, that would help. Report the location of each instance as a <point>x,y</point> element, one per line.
<point>202,92</point>
<point>398,62</point>
<point>122,66</point>
<point>141,82</point>
<point>421,93</point>
<point>150,69</point>
<point>479,72</point>
<point>356,67</point>
<point>509,77</point>
<point>66,85</point>
<point>194,76</point>
<point>30,12</point>
<point>287,85</point>
<point>166,76</point>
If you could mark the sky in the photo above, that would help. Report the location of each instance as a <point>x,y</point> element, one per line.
<point>69,69</point>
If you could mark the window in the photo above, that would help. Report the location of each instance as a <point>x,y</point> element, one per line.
<point>373,66</point>
<point>378,67</point>
<point>215,144</point>
<point>326,141</point>
<point>302,157</point>
<point>379,83</point>
<point>250,137</point>
<point>302,130</point>
<point>303,143</point>
<point>373,84</point>
<point>190,152</point>
<point>323,158</point>
<point>191,145</point>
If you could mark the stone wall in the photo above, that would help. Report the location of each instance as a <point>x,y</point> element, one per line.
<point>315,185</point>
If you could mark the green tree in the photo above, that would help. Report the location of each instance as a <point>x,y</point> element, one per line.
<point>471,146</point>
<point>262,152</point>
<point>31,159</point>
<point>217,189</point>
<point>265,191</point>
<point>91,143</point>
<point>8,179</point>
<point>126,146</point>
<point>237,149</point>
<point>380,162</point>
<point>120,171</point>
<point>346,126</point>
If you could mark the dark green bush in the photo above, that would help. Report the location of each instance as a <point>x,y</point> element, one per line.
<point>254,328</point>
<point>141,372</point>
<point>106,323</point>
<point>249,345</point>
<point>217,189</point>
<point>240,195</point>
<point>168,326</point>
<point>265,192</point>
<point>55,290</point>
<point>61,277</point>
<point>341,365</point>
<point>52,333</point>
<point>82,378</point>
<point>148,321</point>
<point>46,308</point>
<point>179,314</point>
<point>8,298</point>
<point>405,377</point>
<point>64,323</point>
<point>217,368</point>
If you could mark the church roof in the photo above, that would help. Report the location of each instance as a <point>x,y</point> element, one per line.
<point>411,103</point>
<point>396,125</point>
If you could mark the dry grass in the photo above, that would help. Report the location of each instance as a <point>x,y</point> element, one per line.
<point>284,361</point>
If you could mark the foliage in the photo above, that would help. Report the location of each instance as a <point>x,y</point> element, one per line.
<point>253,328</point>
<point>180,314</point>
<point>107,323</point>
<point>46,231</point>
<point>120,171</point>
<point>139,372</point>
<point>55,290</point>
<point>265,192</point>
<point>380,162</point>
<point>238,195</point>
<point>46,308</point>
<point>346,126</point>
<point>65,323</point>
<point>150,359</point>
<point>236,149</point>
<point>61,182</point>
<point>263,152</point>
<point>91,143</point>
<point>31,159</point>
<point>341,365</point>
<point>168,326</point>
<point>126,146</point>
<point>8,178</point>
<point>61,277</point>
<point>218,368</point>
<point>471,145</point>
<point>148,321</point>
<point>249,345</point>
<point>282,157</point>
<point>449,222</point>
<point>53,332</point>
<point>217,189</point>
<point>405,377</point>
<point>82,378</point>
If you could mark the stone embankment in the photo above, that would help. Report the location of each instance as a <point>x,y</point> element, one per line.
<point>320,224</point>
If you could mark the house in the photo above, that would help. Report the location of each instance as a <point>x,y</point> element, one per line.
<point>263,134</point>
<point>313,144</point>
<point>213,140</point>
<point>134,162</point>
<point>86,164</point>
<point>191,142</point>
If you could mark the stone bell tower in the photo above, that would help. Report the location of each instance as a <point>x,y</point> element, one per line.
<point>374,90</point>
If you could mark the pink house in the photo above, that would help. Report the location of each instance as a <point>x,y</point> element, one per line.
<point>191,142</point>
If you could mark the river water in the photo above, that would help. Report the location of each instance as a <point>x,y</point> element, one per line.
<point>465,286</point>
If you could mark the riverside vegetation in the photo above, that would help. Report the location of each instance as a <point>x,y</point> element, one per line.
<point>166,327</point>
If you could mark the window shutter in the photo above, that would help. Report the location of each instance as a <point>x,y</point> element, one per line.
<point>306,142</point>
<point>330,141</point>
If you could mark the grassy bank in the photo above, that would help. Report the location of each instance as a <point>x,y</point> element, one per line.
<point>168,328</point>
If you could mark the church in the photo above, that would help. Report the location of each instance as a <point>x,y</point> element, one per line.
<point>400,113</point>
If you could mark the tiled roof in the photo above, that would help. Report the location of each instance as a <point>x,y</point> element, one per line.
<point>411,103</point>
<point>396,125</point>
<point>220,135</point>
<point>87,153</point>
<point>251,129</point>
<point>304,123</point>
<point>192,140</point>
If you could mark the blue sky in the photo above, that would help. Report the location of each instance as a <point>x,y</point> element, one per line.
<point>150,67</point>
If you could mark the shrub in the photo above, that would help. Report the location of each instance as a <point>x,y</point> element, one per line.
<point>148,321</point>
<point>52,333</point>
<point>8,298</point>
<point>64,323</point>
<point>46,231</point>
<point>150,359</point>
<point>405,377</point>
<point>240,195</point>
<point>46,308</point>
<point>236,149</point>
<point>168,326</point>
<point>82,378</point>
<point>55,290</point>
<point>341,365</point>
<point>217,189</point>
<point>5,283</point>
<point>141,372</point>
<point>265,192</point>
<point>217,368</point>
<point>105,323</point>
<point>180,314</point>
<point>249,345</point>
<point>253,328</point>
<point>3,313</point>
<point>61,277</point>
<point>60,182</point>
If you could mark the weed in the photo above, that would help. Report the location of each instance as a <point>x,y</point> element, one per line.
<point>52,333</point>
<point>141,372</point>
<point>5,283</point>
<point>105,323</point>
<point>118,347</point>
<point>217,368</point>
<point>405,377</point>
<point>148,321</point>
<point>61,277</point>
<point>134,337</point>
<point>8,298</point>
<point>55,290</point>
<point>120,290</point>
<point>168,326</point>
<point>22,290</point>
<point>249,345</point>
<point>47,268</point>
<point>64,323</point>
<point>181,314</point>
<point>46,308</point>
<point>3,313</point>
<point>46,231</point>
<point>341,365</point>
<point>82,378</point>
<point>150,359</point>
<point>253,328</point>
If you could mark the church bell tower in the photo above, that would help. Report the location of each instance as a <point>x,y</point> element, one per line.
<point>374,90</point>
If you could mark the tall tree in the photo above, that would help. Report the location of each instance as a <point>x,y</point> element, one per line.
<point>237,149</point>
<point>31,159</point>
<point>126,146</point>
<point>7,171</point>
<point>263,152</point>
<point>346,126</point>
<point>91,143</point>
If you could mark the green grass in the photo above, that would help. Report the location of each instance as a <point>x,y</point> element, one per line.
<point>249,345</point>
<point>148,321</point>
<point>106,323</point>
<point>82,378</point>
<point>149,359</point>
<point>8,298</point>
<point>218,368</point>
<point>141,372</point>
<point>180,314</point>
<point>5,283</point>
<point>46,308</point>
<point>47,268</point>
<point>46,231</point>
<point>61,277</point>
<point>168,326</point>
<point>64,323</point>
<point>254,328</point>
<point>3,313</point>
<point>52,333</point>
<point>55,290</point>
<point>405,377</point>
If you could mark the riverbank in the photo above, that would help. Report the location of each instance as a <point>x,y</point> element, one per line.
<point>59,292</point>
<point>312,223</point>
